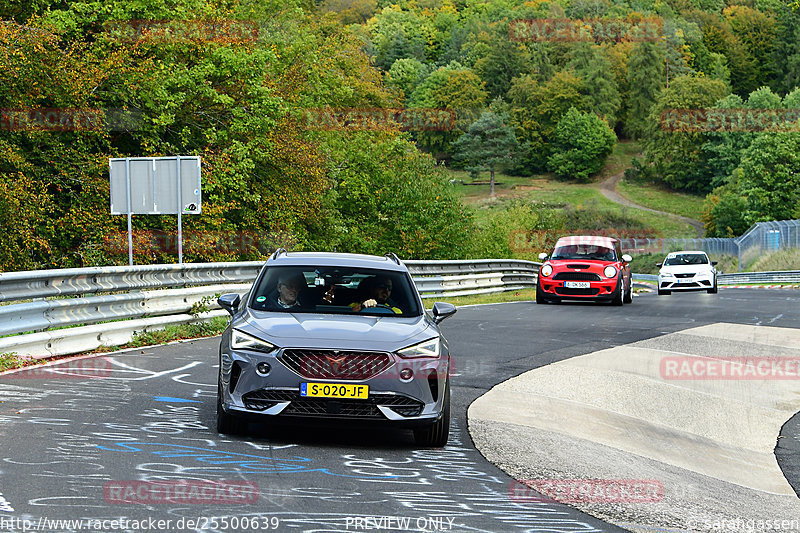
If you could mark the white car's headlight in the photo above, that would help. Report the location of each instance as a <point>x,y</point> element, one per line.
<point>666,274</point>
<point>429,348</point>
<point>610,271</point>
<point>546,270</point>
<point>241,340</point>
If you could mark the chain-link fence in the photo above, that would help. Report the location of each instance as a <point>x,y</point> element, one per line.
<point>761,238</point>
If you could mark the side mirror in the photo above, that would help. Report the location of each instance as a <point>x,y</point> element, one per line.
<point>229,302</point>
<point>714,262</point>
<point>543,256</point>
<point>442,310</point>
<point>659,265</point>
<point>627,258</point>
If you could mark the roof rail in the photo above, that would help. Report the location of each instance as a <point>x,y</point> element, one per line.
<point>393,257</point>
<point>278,252</point>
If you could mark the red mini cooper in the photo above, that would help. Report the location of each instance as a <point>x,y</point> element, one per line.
<point>585,268</point>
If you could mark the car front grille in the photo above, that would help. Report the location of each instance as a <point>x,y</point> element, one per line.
<point>336,364</point>
<point>576,276</point>
<point>684,276</point>
<point>362,409</point>
<point>576,292</point>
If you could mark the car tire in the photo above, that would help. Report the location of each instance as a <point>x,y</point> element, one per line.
<point>713,290</point>
<point>663,293</point>
<point>540,297</point>
<point>628,298</point>
<point>436,434</point>
<point>618,298</point>
<point>227,424</point>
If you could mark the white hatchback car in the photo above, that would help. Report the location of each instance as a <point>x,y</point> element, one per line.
<point>687,271</point>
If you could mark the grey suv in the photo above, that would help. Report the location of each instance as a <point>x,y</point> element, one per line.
<point>335,336</point>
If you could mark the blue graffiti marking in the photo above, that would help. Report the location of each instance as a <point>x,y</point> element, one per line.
<point>243,461</point>
<point>174,400</point>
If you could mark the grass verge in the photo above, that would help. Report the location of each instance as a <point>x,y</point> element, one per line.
<point>490,298</point>
<point>654,197</point>
<point>172,333</point>
<point>11,360</point>
<point>560,194</point>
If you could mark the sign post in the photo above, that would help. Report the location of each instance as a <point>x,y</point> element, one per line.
<point>155,186</point>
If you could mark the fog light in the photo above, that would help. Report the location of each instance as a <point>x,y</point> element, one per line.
<point>263,369</point>
<point>406,374</point>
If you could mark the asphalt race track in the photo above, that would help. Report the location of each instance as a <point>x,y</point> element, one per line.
<point>85,449</point>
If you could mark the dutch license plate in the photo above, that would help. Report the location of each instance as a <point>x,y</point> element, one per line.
<point>577,284</point>
<point>334,390</point>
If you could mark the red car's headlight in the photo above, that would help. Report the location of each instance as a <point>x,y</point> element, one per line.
<point>610,271</point>
<point>546,270</point>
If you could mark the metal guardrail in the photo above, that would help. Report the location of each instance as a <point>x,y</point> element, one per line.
<point>78,310</point>
<point>92,307</point>
<point>739,278</point>
<point>73,281</point>
<point>784,276</point>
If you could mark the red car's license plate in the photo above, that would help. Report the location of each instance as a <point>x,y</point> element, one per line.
<point>577,284</point>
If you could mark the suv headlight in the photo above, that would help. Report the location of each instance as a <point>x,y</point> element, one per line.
<point>546,270</point>
<point>665,274</point>
<point>241,340</point>
<point>610,271</point>
<point>428,348</point>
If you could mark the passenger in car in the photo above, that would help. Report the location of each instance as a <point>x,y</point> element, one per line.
<point>378,290</point>
<point>287,293</point>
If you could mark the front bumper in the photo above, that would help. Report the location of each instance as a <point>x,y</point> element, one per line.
<point>696,283</point>
<point>391,399</point>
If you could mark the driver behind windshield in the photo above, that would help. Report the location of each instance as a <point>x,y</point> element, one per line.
<point>378,290</point>
<point>584,251</point>
<point>287,294</point>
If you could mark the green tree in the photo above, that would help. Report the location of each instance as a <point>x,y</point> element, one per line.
<point>769,177</point>
<point>724,212</point>
<point>645,81</point>
<point>757,33</point>
<point>504,61</point>
<point>406,74</point>
<point>675,155</point>
<point>599,84</point>
<point>785,56</point>
<point>455,88</point>
<point>581,144</point>
<point>488,145</point>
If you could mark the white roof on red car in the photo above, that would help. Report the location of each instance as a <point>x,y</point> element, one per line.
<point>592,240</point>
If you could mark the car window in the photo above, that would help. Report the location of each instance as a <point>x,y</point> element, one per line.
<point>336,290</point>
<point>686,259</point>
<point>584,251</point>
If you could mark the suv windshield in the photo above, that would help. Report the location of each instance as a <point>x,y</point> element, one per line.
<point>585,252</point>
<point>687,259</point>
<point>338,290</point>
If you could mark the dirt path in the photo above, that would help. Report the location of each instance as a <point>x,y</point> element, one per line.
<point>609,189</point>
